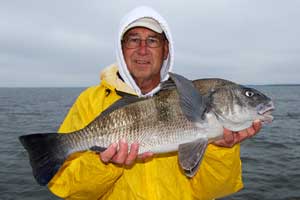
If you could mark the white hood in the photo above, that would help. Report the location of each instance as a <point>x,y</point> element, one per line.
<point>137,13</point>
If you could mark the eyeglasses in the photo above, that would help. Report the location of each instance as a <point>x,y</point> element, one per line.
<point>135,42</point>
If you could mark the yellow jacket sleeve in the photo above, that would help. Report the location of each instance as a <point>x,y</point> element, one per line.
<point>79,176</point>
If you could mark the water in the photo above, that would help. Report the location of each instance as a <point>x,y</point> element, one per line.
<point>271,160</point>
<point>22,111</point>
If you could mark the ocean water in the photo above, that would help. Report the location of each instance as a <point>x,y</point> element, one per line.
<point>271,160</point>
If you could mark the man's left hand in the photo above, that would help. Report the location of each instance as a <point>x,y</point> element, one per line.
<point>230,138</point>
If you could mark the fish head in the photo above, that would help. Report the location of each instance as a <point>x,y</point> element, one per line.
<point>237,106</point>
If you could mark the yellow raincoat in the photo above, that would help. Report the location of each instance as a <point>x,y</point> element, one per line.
<point>84,176</point>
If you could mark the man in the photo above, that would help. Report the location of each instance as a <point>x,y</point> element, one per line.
<point>145,56</point>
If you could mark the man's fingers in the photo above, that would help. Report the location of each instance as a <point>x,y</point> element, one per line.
<point>121,156</point>
<point>257,125</point>
<point>249,132</point>
<point>146,156</point>
<point>227,140</point>
<point>107,155</point>
<point>240,136</point>
<point>134,149</point>
<point>228,136</point>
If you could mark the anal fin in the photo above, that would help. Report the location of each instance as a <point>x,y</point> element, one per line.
<point>190,155</point>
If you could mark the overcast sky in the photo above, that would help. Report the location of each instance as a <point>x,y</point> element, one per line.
<point>68,43</point>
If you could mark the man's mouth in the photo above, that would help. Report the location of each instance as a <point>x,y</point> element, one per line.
<point>142,62</point>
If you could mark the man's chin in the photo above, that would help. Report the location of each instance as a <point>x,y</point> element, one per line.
<point>141,75</point>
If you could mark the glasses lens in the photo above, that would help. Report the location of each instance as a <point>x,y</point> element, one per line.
<point>135,42</point>
<point>132,42</point>
<point>153,42</point>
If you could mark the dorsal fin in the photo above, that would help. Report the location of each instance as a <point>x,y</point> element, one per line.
<point>125,100</point>
<point>193,104</point>
<point>168,85</point>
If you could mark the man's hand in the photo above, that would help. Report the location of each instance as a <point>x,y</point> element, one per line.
<point>231,138</point>
<point>122,156</point>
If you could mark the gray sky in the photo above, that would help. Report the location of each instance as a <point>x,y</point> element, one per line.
<point>68,43</point>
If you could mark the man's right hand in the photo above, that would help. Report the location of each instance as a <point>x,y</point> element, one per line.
<point>121,156</point>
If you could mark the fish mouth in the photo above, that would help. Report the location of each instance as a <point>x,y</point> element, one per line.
<point>265,112</point>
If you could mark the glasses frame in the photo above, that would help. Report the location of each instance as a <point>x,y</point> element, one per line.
<point>125,42</point>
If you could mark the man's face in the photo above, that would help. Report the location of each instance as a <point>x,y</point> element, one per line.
<point>143,62</point>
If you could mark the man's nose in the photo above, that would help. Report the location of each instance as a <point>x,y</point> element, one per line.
<point>142,49</point>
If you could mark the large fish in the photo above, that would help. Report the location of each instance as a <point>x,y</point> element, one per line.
<point>184,116</point>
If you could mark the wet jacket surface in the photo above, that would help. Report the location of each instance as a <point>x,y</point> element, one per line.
<point>84,176</point>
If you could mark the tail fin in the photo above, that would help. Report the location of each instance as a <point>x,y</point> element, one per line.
<point>46,154</point>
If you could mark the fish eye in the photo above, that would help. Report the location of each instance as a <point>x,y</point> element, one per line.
<point>249,93</point>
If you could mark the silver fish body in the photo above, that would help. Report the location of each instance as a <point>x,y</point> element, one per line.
<point>157,124</point>
<point>185,116</point>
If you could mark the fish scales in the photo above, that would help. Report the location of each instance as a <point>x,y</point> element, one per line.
<point>151,122</point>
<point>157,130</point>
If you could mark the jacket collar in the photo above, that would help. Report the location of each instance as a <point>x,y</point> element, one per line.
<point>109,77</point>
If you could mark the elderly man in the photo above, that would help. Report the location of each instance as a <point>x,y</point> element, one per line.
<point>145,56</point>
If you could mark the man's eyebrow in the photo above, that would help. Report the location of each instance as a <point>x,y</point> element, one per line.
<point>130,34</point>
<point>154,35</point>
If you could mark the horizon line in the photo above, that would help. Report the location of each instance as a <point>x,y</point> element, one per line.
<point>68,86</point>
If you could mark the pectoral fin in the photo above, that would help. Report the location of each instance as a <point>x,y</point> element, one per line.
<point>190,155</point>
